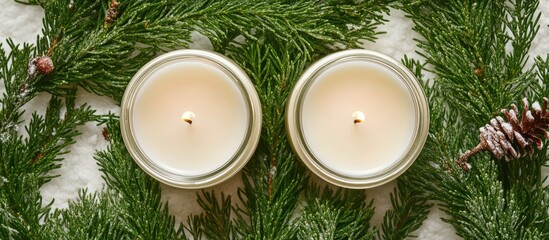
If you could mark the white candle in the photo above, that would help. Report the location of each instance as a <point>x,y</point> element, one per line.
<point>356,91</point>
<point>357,118</point>
<point>218,127</point>
<point>191,118</point>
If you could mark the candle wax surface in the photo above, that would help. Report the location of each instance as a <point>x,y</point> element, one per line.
<point>328,124</point>
<point>218,128</point>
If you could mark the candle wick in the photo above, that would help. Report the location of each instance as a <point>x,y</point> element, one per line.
<point>358,117</point>
<point>188,117</point>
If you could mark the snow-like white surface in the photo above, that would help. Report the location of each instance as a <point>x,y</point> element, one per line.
<point>79,170</point>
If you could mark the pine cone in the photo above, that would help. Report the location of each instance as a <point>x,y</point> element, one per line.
<point>512,139</point>
<point>43,64</point>
<point>111,13</point>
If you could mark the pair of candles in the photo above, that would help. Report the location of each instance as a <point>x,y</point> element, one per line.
<point>192,119</point>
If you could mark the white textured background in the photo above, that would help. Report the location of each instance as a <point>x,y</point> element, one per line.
<point>79,170</point>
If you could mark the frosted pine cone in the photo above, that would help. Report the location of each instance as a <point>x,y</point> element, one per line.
<point>513,138</point>
<point>43,64</point>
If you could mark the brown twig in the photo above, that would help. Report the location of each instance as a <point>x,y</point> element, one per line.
<point>52,46</point>
<point>462,161</point>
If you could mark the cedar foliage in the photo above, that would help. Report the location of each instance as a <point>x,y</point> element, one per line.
<point>478,53</point>
<point>476,49</point>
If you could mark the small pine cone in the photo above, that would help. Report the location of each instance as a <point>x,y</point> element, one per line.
<point>43,65</point>
<point>111,13</point>
<point>512,138</point>
<point>106,134</point>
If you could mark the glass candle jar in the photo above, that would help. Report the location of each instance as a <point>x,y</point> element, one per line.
<point>357,118</point>
<point>191,118</point>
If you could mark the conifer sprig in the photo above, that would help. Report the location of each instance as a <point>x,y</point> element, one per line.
<point>409,211</point>
<point>335,214</point>
<point>478,51</point>
<point>216,221</point>
<point>19,88</point>
<point>465,41</point>
<point>103,59</point>
<point>273,180</point>
<point>26,163</point>
<point>141,212</point>
<point>90,216</point>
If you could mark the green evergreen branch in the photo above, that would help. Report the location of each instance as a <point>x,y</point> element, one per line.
<point>99,59</point>
<point>215,222</point>
<point>143,215</point>
<point>26,162</point>
<point>102,60</point>
<point>542,67</point>
<point>339,214</point>
<point>325,25</point>
<point>19,87</point>
<point>273,179</point>
<point>409,210</point>
<point>465,43</point>
<point>90,216</point>
<point>30,2</point>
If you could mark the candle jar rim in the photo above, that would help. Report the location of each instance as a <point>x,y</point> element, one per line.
<point>308,157</point>
<point>235,162</point>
